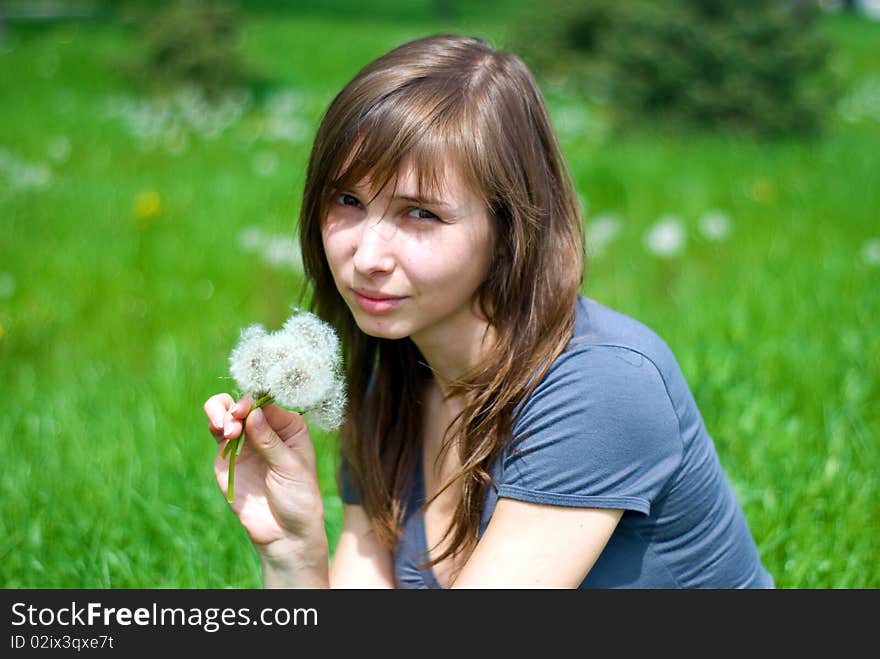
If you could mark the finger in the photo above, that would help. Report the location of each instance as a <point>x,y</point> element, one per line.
<point>291,428</point>
<point>231,427</point>
<point>233,422</point>
<point>241,408</point>
<point>276,448</point>
<point>215,408</point>
<point>217,433</point>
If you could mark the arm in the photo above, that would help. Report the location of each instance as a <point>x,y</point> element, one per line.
<point>360,560</point>
<point>599,436</point>
<point>528,545</point>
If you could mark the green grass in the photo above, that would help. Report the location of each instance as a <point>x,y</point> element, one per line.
<point>115,329</point>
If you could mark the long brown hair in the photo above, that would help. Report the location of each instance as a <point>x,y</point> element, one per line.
<point>434,100</point>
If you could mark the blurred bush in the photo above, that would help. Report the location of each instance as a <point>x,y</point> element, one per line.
<point>756,66</point>
<point>193,43</point>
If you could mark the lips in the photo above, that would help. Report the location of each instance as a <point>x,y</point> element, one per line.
<point>375,302</point>
<point>375,295</point>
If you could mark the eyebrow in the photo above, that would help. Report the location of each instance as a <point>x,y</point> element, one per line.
<point>427,201</point>
<point>410,197</point>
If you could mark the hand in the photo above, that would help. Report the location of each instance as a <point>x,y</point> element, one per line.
<point>277,496</point>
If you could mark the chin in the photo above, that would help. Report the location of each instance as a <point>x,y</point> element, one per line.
<point>376,330</point>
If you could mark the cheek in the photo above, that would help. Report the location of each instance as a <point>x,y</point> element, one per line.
<point>334,245</point>
<point>454,265</point>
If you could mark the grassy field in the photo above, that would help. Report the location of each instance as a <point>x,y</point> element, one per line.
<point>139,237</point>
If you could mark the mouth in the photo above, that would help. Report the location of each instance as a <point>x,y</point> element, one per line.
<point>375,302</point>
<point>375,295</point>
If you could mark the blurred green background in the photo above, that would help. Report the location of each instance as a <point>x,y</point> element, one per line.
<point>143,223</point>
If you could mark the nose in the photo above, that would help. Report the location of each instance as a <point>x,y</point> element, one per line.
<point>373,249</point>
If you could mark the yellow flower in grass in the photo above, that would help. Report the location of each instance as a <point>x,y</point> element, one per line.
<point>147,205</point>
<point>763,191</point>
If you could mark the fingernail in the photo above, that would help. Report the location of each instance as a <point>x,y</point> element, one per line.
<point>227,430</point>
<point>259,420</point>
<point>218,422</point>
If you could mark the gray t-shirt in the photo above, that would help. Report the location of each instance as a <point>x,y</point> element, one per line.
<point>613,424</point>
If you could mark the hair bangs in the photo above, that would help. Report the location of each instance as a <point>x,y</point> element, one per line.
<point>406,129</point>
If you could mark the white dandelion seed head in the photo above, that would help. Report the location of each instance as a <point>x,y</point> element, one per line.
<point>299,380</point>
<point>250,360</point>
<point>316,336</point>
<point>666,238</point>
<point>715,225</point>
<point>299,366</point>
<point>331,412</point>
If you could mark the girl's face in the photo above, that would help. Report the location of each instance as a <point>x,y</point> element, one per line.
<point>408,266</point>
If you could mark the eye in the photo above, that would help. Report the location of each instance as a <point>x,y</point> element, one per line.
<point>422,214</point>
<point>347,200</point>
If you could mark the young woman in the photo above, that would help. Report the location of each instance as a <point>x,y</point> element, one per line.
<point>503,430</point>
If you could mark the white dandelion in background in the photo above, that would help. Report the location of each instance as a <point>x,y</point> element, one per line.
<point>283,251</point>
<point>570,120</point>
<point>184,114</point>
<point>601,232</point>
<point>666,237</point>
<point>871,252</point>
<point>298,367</point>
<point>265,163</point>
<point>250,239</point>
<point>276,250</point>
<point>7,284</point>
<point>286,129</point>
<point>59,149</point>
<point>715,225</point>
<point>23,175</point>
<point>65,102</point>
<point>203,289</point>
<point>862,103</point>
<point>284,102</point>
<point>27,176</point>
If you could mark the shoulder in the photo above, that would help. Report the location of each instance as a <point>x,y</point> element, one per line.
<point>613,363</point>
<point>599,326</point>
<point>602,391</point>
<point>600,428</point>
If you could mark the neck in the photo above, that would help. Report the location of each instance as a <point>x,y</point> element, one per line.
<point>455,349</point>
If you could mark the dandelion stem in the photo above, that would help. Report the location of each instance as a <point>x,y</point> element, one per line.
<point>230,483</point>
<point>234,446</point>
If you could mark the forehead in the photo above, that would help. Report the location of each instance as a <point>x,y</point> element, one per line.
<point>443,181</point>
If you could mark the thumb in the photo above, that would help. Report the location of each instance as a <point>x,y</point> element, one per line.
<point>282,438</point>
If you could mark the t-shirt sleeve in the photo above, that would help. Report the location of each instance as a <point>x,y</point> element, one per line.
<point>347,491</point>
<point>599,431</point>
